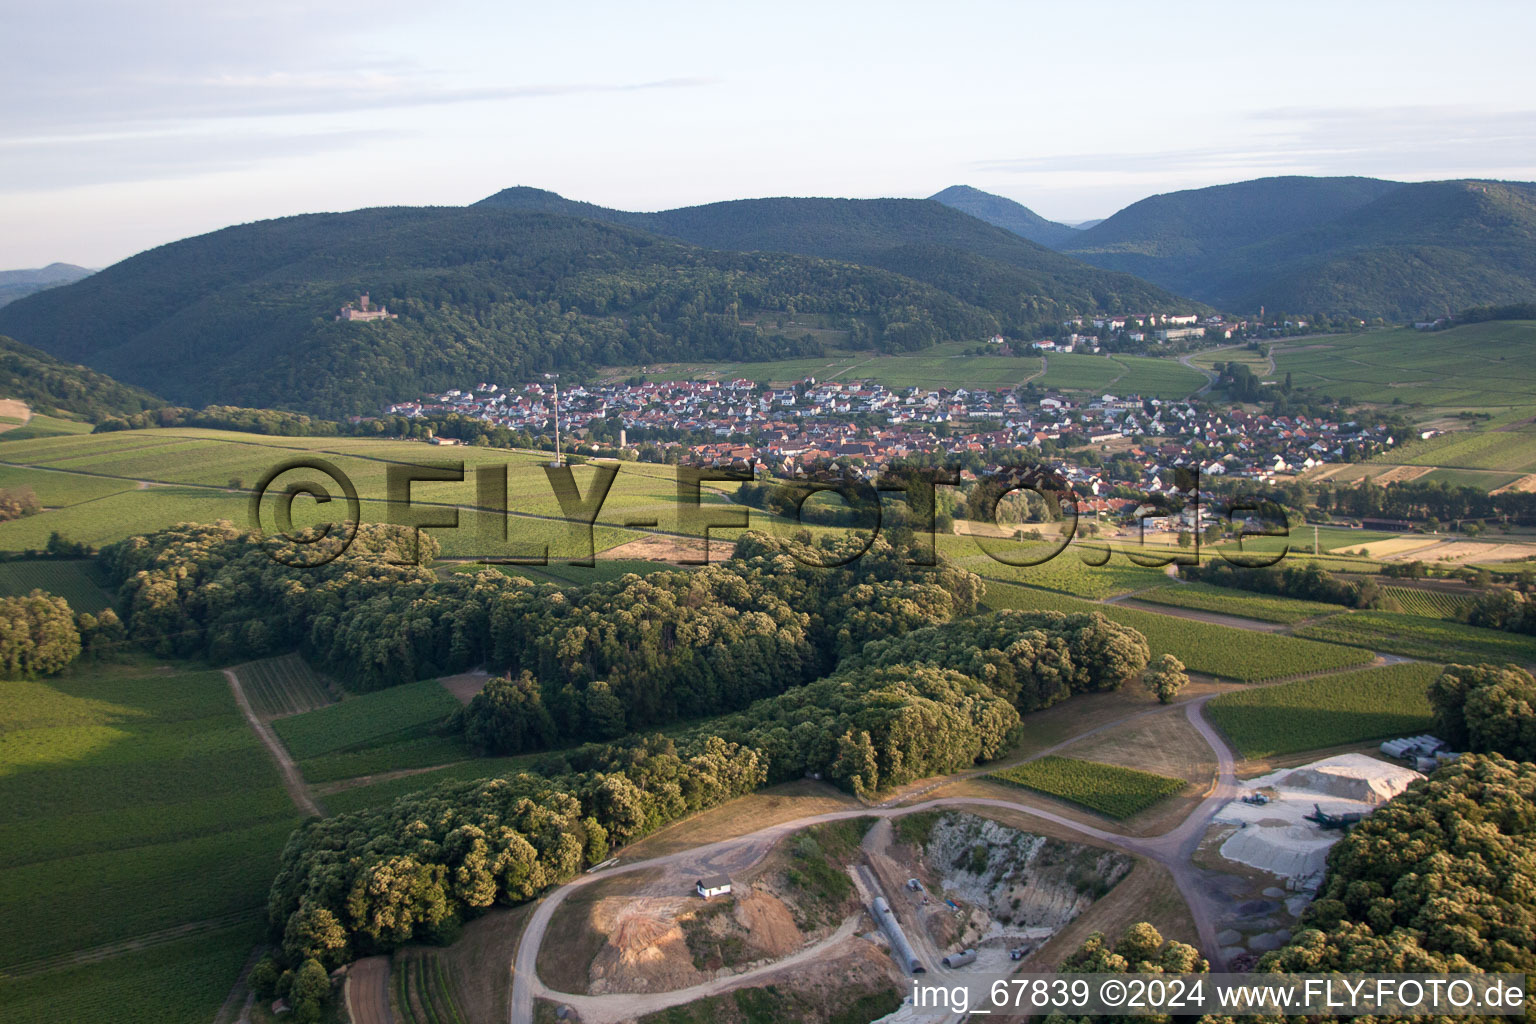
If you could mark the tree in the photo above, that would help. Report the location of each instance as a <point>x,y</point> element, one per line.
<point>38,635</point>
<point>1486,709</point>
<point>1165,678</point>
<point>605,712</point>
<point>311,986</point>
<point>508,717</point>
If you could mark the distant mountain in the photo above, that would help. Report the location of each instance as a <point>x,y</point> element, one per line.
<point>248,315</point>
<point>1357,246</point>
<point>1019,281</point>
<point>1084,225</point>
<point>16,283</point>
<point>46,384</point>
<point>1006,214</point>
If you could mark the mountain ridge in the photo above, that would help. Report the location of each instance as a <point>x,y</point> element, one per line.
<point>1007,214</point>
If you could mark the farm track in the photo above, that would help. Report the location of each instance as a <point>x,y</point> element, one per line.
<point>1173,849</point>
<point>293,781</point>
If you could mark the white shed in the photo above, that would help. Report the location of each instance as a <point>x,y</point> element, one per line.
<point>714,885</point>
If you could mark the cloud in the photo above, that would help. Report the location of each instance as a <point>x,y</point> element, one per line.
<point>1392,142</point>
<point>76,66</point>
<point>45,164</point>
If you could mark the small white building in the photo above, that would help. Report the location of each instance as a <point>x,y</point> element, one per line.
<point>714,885</point>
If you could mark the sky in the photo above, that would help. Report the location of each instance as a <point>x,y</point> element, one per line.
<point>126,126</point>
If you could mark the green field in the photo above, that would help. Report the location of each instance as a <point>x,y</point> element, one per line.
<point>1483,367</point>
<point>1222,651</point>
<point>1483,480</point>
<point>1431,604</point>
<point>1512,451</point>
<point>1329,711</point>
<point>178,982</point>
<point>1416,637</point>
<point>78,581</point>
<point>948,366</point>
<point>55,489</point>
<point>1066,572</point>
<point>44,426</point>
<point>283,686</point>
<point>421,989</point>
<point>1264,607</point>
<point>134,799</point>
<point>1109,789</point>
<point>190,472</point>
<point>366,720</point>
<point>378,794</point>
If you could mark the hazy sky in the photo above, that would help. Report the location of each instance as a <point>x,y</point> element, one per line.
<point>128,125</point>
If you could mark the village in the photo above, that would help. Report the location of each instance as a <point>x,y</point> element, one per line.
<point>1112,449</point>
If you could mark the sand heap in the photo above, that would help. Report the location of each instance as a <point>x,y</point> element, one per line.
<point>1276,837</point>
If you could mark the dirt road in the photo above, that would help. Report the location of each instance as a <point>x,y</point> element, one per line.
<point>1172,849</point>
<point>367,991</point>
<point>293,782</point>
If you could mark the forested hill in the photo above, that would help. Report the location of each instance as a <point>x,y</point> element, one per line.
<point>247,315</point>
<point>1334,245</point>
<point>1015,279</point>
<point>1004,213</point>
<point>46,384</point>
<point>500,291</point>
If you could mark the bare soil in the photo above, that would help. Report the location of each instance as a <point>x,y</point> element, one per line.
<point>465,685</point>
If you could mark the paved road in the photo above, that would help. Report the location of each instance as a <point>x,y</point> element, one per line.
<point>293,781</point>
<point>1172,849</point>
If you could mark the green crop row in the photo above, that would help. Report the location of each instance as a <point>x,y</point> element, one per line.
<point>284,686</point>
<point>1430,604</point>
<point>1106,788</point>
<point>1310,714</point>
<point>1226,652</point>
<point>1418,637</point>
<point>362,721</point>
<point>1224,601</point>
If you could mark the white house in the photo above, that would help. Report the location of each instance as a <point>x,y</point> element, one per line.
<point>714,885</point>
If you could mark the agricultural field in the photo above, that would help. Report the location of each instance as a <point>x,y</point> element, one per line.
<point>1224,601</point>
<point>1484,367</point>
<point>1430,604</point>
<point>948,366</point>
<point>284,686</point>
<point>146,780</point>
<point>414,749</point>
<point>942,366</point>
<point>45,426</point>
<point>378,794</point>
<point>604,570</point>
<point>78,581</point>
<point>365,720</point>
<point>1224,652</point>
<point>56,489</point>
<point>1066,572</point>
<point>1329,711</point>
<point>1107,788</point>
<point>1419,637</point>
<point>1510,451</point>
<point>203,475</point>
<point>177,982</point>
<point>1258,362</point>
<point>1483,480</point>
<point>419,989</point>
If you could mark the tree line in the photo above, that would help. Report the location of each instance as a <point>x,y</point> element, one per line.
<point>40,635</point>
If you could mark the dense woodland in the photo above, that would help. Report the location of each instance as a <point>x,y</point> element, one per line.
<point>1348,246</point>
<point>869,675</point>
<point>247,315</point>
<point>1440,879</point>
<point>46,384</point>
